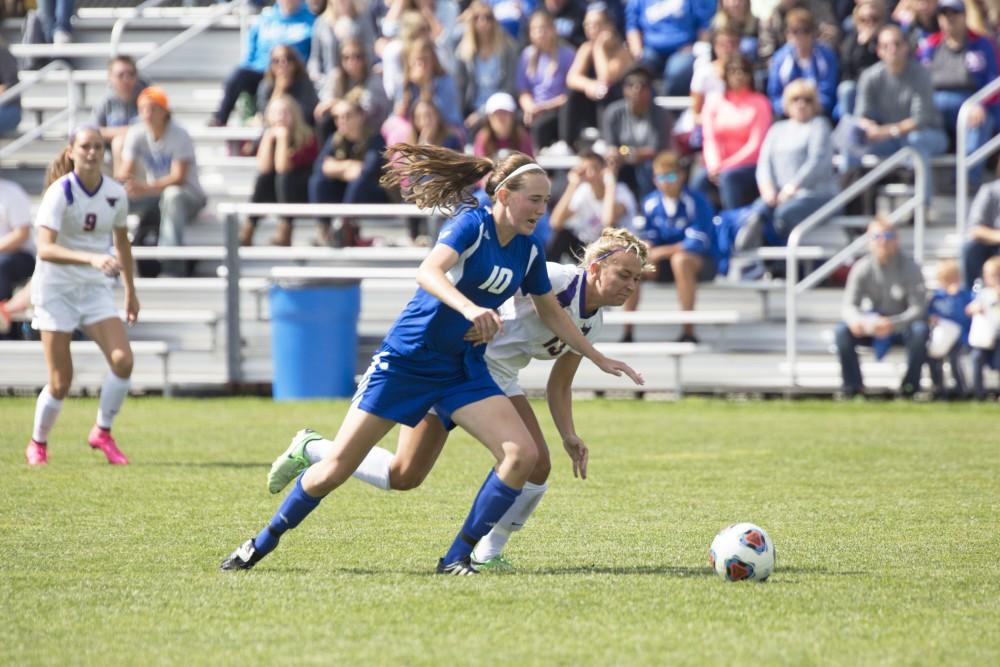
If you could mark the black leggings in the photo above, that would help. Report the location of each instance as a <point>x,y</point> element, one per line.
<point>289,188</point>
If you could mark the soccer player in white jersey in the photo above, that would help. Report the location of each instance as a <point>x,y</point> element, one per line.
<point>483,256</point>
<point>81,212</point>
<point>608,274</point>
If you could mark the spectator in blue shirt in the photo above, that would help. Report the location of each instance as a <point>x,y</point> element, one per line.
<point>662,32</point>
<point>676,224</point>
<point>961,62</point>
<point>288,23</point>
<point>802,57</point>
<point>948,302</point>
<point>513,15</point>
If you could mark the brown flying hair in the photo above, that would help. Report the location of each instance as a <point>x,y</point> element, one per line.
<point>436,177</point>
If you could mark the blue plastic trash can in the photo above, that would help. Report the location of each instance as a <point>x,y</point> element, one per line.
<point>314,339</point>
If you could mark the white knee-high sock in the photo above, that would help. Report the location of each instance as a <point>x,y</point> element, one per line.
<point>316,449</point>
<point>513,519</point>
<point>373,470</point>
<point>113,392</point>
<point>46,412</point>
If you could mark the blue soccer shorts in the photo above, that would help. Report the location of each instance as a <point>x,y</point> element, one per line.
<point>404,389</point>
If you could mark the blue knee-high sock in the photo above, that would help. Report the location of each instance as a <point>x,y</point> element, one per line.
<point>297,506</point>
<point>492,501</point>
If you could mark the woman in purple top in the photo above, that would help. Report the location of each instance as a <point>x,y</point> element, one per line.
<point>541,81</point>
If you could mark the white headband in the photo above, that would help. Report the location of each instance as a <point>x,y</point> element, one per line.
<point>531,166</point>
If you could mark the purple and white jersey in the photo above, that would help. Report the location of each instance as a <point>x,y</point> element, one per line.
<point>525,336</point>
<point>84,221</point>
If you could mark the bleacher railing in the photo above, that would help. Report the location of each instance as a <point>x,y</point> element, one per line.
<point>68,114</point>
<point>119,27</point>
<point>233,213</point>
<point>963,162</point>
<point>915,205</point>
<point>215,15</point>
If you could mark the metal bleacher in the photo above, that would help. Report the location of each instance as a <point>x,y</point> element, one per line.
<point>742,340</point>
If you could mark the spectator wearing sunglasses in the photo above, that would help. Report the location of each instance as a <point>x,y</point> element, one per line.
<point>795,170</point>
<point>884,305</point>
<point>286,75</point>
<point>803,57</point>
<point>288,22</point>
<point>677,226</point>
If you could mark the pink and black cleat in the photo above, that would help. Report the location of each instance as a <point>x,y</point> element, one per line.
<point>101,439</point>
<point>37,453</point>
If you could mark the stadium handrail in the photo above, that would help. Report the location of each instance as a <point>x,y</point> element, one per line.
<point>915,204</point>
<point>152,53</point>
<point>69,113</point>
<point>119,27</point>
<point>215,16</point>
<point>963,162</point>
<point>231,214</point>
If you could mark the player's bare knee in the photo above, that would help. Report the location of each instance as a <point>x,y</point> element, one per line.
<point>59,383</point>
<point>405,478</point>
<point>521,457</point>
<point>543,467</point>
<point>122,362</point>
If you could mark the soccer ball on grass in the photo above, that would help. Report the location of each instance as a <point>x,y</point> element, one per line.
<point>742,552</point>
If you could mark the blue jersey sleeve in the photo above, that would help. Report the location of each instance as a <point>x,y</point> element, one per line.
<point>462,231</point>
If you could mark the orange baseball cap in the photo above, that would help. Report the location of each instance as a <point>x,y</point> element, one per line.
<point>156,95</point>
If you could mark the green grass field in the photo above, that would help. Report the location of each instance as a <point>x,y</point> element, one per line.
<point>885,518</point>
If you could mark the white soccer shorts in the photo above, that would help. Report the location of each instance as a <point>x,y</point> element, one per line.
<point>70,309</point>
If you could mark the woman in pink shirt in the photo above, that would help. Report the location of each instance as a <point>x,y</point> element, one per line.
<point>734,125</point>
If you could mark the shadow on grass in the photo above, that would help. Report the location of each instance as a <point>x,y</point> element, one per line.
<point>820,570</point>
<point>655,570</point>
<point>668,570</point>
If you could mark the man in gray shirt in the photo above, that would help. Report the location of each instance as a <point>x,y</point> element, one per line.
<point>984,232</point>
<point>635,130</point>
<point>895,105</point>
<point>884,305</point>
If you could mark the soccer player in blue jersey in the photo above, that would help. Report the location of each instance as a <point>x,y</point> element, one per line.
<point>608,273</point>
<point>482,257</point>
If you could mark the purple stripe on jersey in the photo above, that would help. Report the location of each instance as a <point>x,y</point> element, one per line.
<point>84,188</point>
<point>566,296</point>
<point>68,190</point>
<point>583,302</point>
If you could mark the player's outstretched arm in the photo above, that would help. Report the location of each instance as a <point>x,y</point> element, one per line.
<point>559,323</point>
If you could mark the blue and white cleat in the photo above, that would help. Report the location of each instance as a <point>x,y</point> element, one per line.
<point>460,568</point>
<point>292,461</point>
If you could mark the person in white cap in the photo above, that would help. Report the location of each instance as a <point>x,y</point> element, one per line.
<point>502,131</point>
